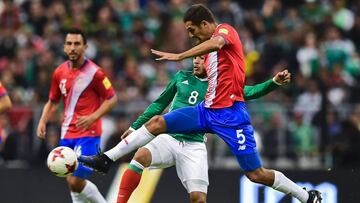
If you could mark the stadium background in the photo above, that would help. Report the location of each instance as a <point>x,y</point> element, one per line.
<point>311,128</point>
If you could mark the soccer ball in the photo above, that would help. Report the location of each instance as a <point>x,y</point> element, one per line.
<point>62,161</point>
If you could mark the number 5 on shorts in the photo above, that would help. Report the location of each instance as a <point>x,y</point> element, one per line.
<point>241,139</point>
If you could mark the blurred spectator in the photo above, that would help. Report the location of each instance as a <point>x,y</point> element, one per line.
<point>304,139</point>
<point>10,16</point>
<point>309,102</point>
<point>313,11</point>
<point>228,12</point>
<point>308,56</point>
<point>342,17</point>
<point>335,48</point>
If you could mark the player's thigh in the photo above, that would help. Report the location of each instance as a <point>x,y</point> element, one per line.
<point>192,167</point>
<point>184,120</point>
<point>242,144</point>
<point>87,146</point>
<point>161,149</point>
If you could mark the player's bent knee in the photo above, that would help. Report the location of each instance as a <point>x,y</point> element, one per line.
<point>257,176</point>
<point>156,125</point>
<point>75,184</point>
<point>197,197</point>
<point>143,156</point>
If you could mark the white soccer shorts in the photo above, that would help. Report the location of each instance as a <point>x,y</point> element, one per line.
<point>189,158</point>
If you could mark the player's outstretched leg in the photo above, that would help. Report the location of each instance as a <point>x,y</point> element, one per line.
<point>101,162</point>
<point>280,182</point>
<point>132,176</point>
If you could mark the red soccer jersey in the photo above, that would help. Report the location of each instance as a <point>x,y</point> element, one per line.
<point>226,70</point>
<point>2,93</point>
<point>82,90</point>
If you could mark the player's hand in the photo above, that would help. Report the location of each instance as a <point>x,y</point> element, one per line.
<point>85,122</point>
<point>166,56</point>
<point>126,133</point>
<point>41,130</point>
<point>283,77</point>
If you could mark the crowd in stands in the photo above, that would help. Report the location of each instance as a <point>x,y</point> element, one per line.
<point>314,122</point>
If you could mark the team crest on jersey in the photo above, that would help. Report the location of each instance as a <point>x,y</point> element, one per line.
<point>78,80</point>
<point>223,30</point>
<point>62,87</point>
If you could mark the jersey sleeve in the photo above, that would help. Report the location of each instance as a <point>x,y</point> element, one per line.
<point>259,90</point>
<point>103,86</point>
<point>3,91</point>
<point>159,105</point>
<point>55,94</point>
<point>225,31</point>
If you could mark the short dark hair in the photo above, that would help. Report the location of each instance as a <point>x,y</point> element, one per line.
<point>76,31</point>
<point>198,13</point>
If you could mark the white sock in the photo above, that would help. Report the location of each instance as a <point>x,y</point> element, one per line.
<point>92,193</point>
<point>136,139</point>
<point>137,164</point>
<point>285,185</point>
<point>78,197</point>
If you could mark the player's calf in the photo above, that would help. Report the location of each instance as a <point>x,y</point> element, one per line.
<point>75,184</point>
<point>261,176</point>
<point>198,197</point>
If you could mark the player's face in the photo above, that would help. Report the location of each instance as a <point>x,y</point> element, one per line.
<point>74,46</point>
<point>200,32</point>
<point>199,66</point>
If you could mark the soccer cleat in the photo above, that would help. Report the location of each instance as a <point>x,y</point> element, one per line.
<point>314,196</point>
<point>99,163</point>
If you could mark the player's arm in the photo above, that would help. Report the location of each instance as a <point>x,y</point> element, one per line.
<point>213,44</point>
<point>50,106</point>
<point>5,103</point>
<point>260,90</point>
<point>86,121</point>
<point>47,112</point>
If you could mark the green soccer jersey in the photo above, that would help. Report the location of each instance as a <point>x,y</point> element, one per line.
<point>185,89</point>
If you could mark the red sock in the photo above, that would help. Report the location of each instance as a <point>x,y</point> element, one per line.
<point>129,182</point>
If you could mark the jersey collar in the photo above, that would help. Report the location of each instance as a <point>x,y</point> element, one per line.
<point>201,79</point>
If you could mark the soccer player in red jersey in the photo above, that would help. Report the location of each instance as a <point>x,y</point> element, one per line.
<point>87,95</point>
<point>223,112</point>
<point>5,105</point>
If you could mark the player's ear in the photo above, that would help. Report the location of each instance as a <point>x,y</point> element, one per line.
<point>203,23</point>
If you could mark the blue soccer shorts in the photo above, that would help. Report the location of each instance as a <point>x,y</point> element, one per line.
<point>82,146</point>
<point>232,124</point>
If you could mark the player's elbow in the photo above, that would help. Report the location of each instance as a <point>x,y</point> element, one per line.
<point>218,43</point>
<point>5,104</point>
<point>114,100</point>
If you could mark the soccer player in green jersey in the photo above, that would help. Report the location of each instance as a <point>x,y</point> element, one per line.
<point>186,151</point>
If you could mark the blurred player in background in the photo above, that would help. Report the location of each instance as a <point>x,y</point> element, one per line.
<point>223,112</point>
<point>5,105</point>
<point>87,95</point>
<point>186,151</point>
